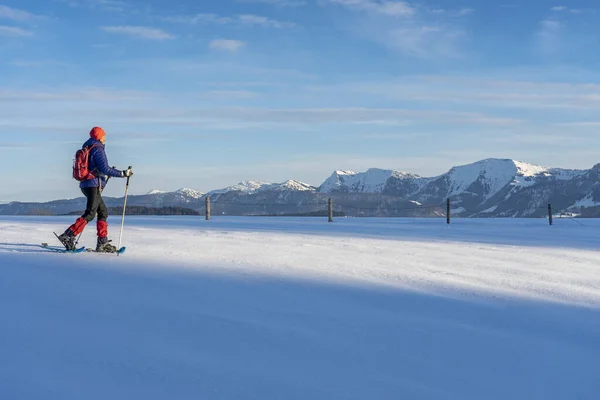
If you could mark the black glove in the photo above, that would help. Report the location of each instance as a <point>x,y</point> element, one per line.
<point>127,173</point>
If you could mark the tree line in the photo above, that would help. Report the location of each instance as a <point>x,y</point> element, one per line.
<point>143,210</point>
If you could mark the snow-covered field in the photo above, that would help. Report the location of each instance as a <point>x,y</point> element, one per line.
<point>284,308</point>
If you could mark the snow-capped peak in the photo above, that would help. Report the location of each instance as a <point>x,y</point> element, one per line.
<point>292,185</point>
<point>371,181</point>
<point>155,191</point>
<point>525,169</point>
<point>495,174</point>
<point>296,185</point>
<point>190,193</point>
<point>342,172</point>
<point>250,187</point>
<point>244,186</point>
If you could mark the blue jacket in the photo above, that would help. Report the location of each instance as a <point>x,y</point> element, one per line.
<point>98,164</point>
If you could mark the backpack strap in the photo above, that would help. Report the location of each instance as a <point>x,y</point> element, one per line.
<point>92,146</point>
<point>89,150</point>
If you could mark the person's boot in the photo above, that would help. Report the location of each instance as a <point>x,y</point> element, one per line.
<point>104,246</point>
<point>68,240</point>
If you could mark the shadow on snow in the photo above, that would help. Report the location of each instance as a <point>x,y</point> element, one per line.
<point>96,328</point>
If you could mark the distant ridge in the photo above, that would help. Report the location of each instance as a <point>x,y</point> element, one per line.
<point>487,188</point>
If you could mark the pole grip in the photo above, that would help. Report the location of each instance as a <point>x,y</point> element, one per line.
<point>128,176</point>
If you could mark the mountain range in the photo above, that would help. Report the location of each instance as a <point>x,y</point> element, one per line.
<point>486,188</point>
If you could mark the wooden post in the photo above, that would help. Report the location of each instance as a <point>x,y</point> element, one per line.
<point>550,213</point>
<point>330,210</point>
<point>207,208</point>
<point>448,211</point>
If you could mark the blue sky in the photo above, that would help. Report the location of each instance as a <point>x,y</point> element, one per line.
<point>204,94</point>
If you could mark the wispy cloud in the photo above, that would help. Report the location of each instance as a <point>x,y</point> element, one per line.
<point>38,63</point>
<point>205,71</point>
<point>87,94</point>
<point>199,18</point>
<point>139,32</point>
<point>249,19</point>
<point>566,9</point>
<point>316,116</point>
<point>226,45</point>
<point>451,13</point>
<point>415,30</point>
<point>425,41</point>
<point>277,3</point>
<point>472,93</point>
<point>133,107</point>
<point>23,145</point>
<point>27,64</point>
<point>465,11</point>
<point>549,36</point>
<point>386,7</point>
<point>17,15</point>
<point>230,94</point>
<point>13,31</point>
<point>582,124</point>
<point>241,20</point>
<point>105,5</point>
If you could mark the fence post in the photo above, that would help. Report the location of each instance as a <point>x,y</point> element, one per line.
<point>550,213</point>
<point>207,208</point>
<point>330,210</point>
<point>448,211</point>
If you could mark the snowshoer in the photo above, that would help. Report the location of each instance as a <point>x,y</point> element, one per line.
<point>92,189</point>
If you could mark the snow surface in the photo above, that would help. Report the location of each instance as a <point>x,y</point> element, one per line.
<point>489,210</point>
<point>587,201</point>
<point>272,308</point>
<point>156,191</point>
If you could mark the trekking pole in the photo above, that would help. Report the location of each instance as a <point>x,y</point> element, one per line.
<point>124,205</point>
<point>79,237</point>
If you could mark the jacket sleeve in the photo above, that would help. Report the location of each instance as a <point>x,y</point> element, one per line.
<point>102,164</point>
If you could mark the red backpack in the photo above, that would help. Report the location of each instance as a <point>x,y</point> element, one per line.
<point>81,170</point>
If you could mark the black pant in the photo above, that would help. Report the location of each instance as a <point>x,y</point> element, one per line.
<point>95,205</point>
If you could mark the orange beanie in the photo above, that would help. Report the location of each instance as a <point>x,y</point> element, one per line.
<point>98,133</point>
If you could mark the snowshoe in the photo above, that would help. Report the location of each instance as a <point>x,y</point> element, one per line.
<point>68,240</point>
<point>104,246</point>
<point>62,250</point>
